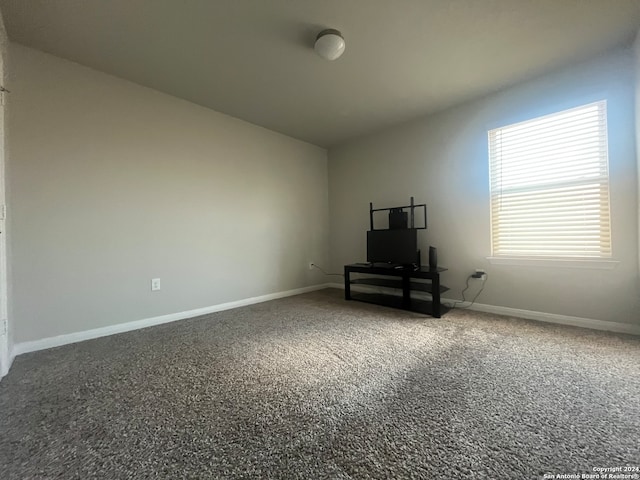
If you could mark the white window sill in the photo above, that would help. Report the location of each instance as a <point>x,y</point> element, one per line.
<point>595,263</point>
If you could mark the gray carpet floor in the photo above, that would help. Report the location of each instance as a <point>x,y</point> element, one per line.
<point>315,387</point>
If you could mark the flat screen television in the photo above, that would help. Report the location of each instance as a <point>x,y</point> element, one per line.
<point>398,247</point>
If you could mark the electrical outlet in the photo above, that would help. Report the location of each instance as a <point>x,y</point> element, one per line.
<point>5,326</point>
<point>155,284</point>
<point>311,265</point>
<point>479,274</point>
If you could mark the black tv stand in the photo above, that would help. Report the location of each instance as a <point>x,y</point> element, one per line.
<point>406,279</point>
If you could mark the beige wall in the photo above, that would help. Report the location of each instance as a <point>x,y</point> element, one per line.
<point>113,184</point>
<point>442,161</point>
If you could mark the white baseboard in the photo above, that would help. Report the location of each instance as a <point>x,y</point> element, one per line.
<point>530,314</point>
<point>12,356</point>
<point>50,342</point>
<point>59,340</point>
<point>7,358</point>
<point>557,318</point>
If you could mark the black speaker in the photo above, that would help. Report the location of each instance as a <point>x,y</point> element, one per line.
<point>397,219</point>
<point>433,257</point>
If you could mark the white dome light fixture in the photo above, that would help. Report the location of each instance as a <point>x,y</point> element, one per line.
<point>329,44</point>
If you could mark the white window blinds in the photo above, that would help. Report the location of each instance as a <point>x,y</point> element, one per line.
<point>550,185</point>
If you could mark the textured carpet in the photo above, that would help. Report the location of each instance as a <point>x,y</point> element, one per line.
<point>315,387</point>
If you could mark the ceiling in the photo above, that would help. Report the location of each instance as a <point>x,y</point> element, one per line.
<point>254,59</point>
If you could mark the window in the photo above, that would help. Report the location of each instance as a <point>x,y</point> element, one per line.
<point>550,186</point>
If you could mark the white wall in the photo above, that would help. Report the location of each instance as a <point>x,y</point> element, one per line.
<point>5,335</point>
<point>113,184</point>
<point>442,161</point>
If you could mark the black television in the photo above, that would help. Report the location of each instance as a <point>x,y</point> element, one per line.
<point>397,247</point>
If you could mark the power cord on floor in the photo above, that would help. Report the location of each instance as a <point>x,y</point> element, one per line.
<point>326,273</point>
<point>464,300</point>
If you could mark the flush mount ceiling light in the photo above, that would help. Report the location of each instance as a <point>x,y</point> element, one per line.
<point>329,44</point>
